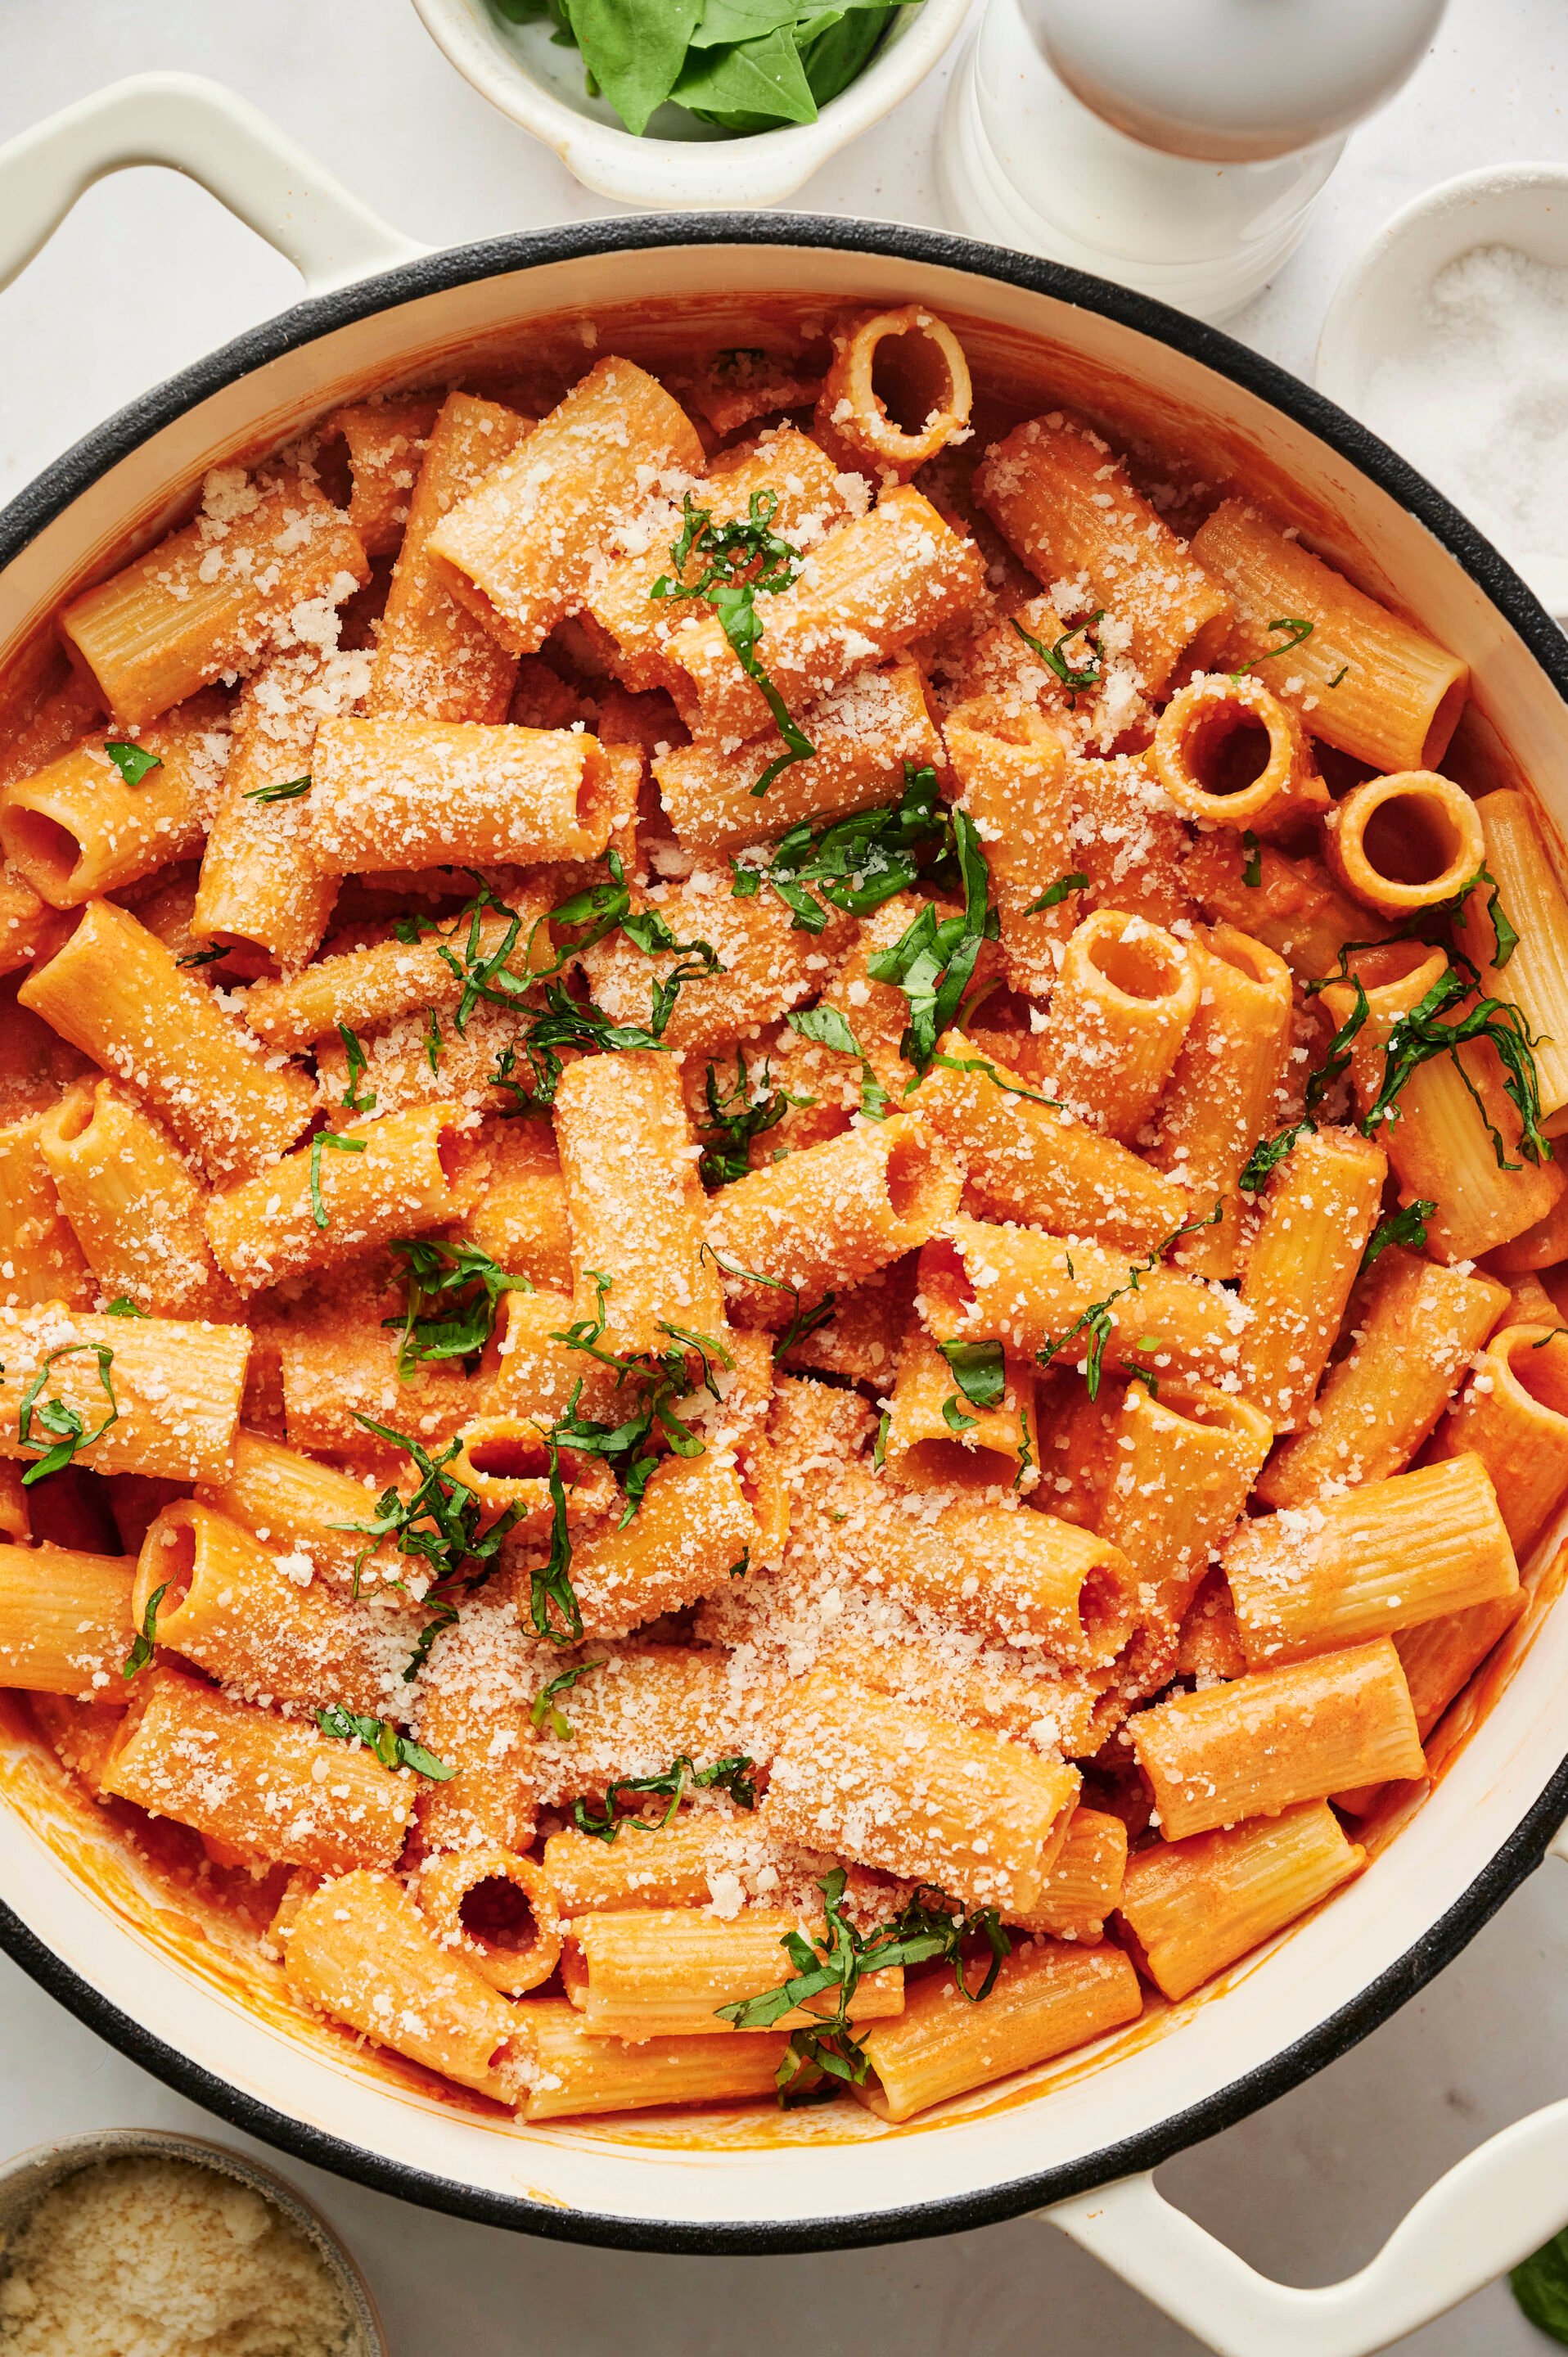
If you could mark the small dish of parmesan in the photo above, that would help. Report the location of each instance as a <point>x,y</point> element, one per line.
<point>170,2247</point>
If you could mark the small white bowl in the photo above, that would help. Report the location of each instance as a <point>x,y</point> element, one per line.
<point>519,70</point>
<point>1378,305</point>
<point>28,2176</point>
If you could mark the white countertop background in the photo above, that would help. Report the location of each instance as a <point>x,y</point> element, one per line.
<point>148,274</point>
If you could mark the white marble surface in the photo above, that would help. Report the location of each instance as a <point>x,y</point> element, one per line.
<point>149,273</point>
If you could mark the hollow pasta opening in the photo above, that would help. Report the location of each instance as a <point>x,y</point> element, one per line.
<point>1140,963</point>
<point>72,1118</point>
<point>1540,1370</point>
<point>1411,838</point>
<point>510,1457</point>
<point>42,841</point>
<point>949,1465</point>
<point>1226,749</point>
<point>1102,1609</point>
<point>497,1913</point>
<point>911,379</point>
<point>174,1567</point>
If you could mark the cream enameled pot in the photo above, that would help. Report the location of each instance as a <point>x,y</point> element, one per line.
<point>1080,2139</point>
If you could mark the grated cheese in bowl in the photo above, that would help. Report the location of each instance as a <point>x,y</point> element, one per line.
<point>161,2257</point>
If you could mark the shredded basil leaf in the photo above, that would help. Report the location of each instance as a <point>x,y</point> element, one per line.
<point>141,1651</point>
<point>738,559</point>
<point>1296,634</point>
<point>66,1427</point>
<point>288,793</point>
<point>329,1138</point>
<point>133,761</point>
<point>380,1735</point>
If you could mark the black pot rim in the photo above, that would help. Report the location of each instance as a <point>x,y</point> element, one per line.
<point>67,478</point>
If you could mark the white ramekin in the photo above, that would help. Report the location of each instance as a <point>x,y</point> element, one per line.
<point>677,175</point>
<point>28,2176</point>
<point>1378,304</point>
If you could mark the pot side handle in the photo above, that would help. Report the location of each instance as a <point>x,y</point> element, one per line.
<point>1495,2207</point>
<point>217,138</point>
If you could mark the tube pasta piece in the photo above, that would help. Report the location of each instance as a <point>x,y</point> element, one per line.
<point>1084,1887</point>
<point>214,598</point>
<point>807,494</point>
<point>177,1385</point>
<point>433,659</point>
<point>261,886</point>
<point>1048,1998</point>
<point>1031,1291</point>
<point>46,705</point>
<point>1231,754</point>
<point>1293,908</point>
<point>1122,1004</point>
<point>385,439</point>
<point>495,1910</point>
<point>1260,1744</point>
<point>863,733</point>
<point>700,1857</point>
<point>693,1531</point>
<point>1062,499</point>
<point>521,1219</point>
<point>524,550</point>
<point>1181,1466</point>
<point>135,1211</point>
<point>1543,1246</point>
<point>1513,1415</point>
<point>28,930</point>
<point>831,1215</point>
<point>237,1609</point>
<point>426,793</point>
<point>1363,681</point>
<point>1021,1577</point>
<point>398,1174</point>
<point>765,966</point>
<point>1415,1334</point>
<point>535,1373</point>
<point>76,828</point>
<point>1439,1656</point>
<point>1032,1162</point>
<point>663,1972</point>
<point>1384,1556</point>
<point>359,1949</point>
<point>575,2072</point>
<point>1015,782</point>
<point>1194,1906</point>
<point>1406,843</point>
<point>1318,1216</point>
<point>114,990</point>
<point>1440,1145</point>
<point>647,1706</point>
<point>472,1703</point>
<point>1535,977</point>
<point>1127,838</point>
<point>299,1507</point>
<point>974,1446</point>
<point>329,1375</point>
<point>40,1254</point>
<point>1055,1711</point>
<point>634,1203</point>
<point>914,1795</point>
<point>65,1621</point>
<point>249,1779</point>
<point>367,987</point>
<point>874,586</point>
<point>896,392</point>
<point>1224,1087</point>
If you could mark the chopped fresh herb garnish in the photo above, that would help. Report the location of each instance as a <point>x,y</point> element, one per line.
<point>737,1113</point>
<point>979,1369</point>
<point>568,1022</point>
<point>954,1417</point>
<point>1405,1226</point>
<point>1339,675</point>
<point>202,957</point>
<point>1296,633</point>
<point>738,559</point>
<point>933,960</point>
<point>1097,1321</point>
<point>380,1735</point>
<point>983,1064</point>
<point>545,1707</point>
<point>437,1525</point>
<point>879,1452</point>
<point>740,1566</point>
<point>133,761</point>
<point>829,1028</point>
<point>1267,1154</point>
<point>124,1307</point>
<point>1416,1036</point>
<point>141,1651</point>
<point>467,1283</point>
<point>290,792</point>
<point>1253,867</point>
<point>330,1139</point>
<point>605,1822</point>
<point>66,1428</point>
<point>1055,894</point>
<point>351,1098</point>
<point>1270,1152</point>
<point>1076,680</point>
<point>433,1042</point>
<point>1505,937</point>
<point>632,1447</point>
<point>859,862</point>
<point>801,1321</point>
<point>828,2049</point>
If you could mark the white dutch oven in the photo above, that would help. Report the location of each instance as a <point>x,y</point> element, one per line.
<point>1078,2141</point>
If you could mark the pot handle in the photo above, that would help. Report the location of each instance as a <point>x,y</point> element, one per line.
<point>1495,2207</point>
<point>216,137</point>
